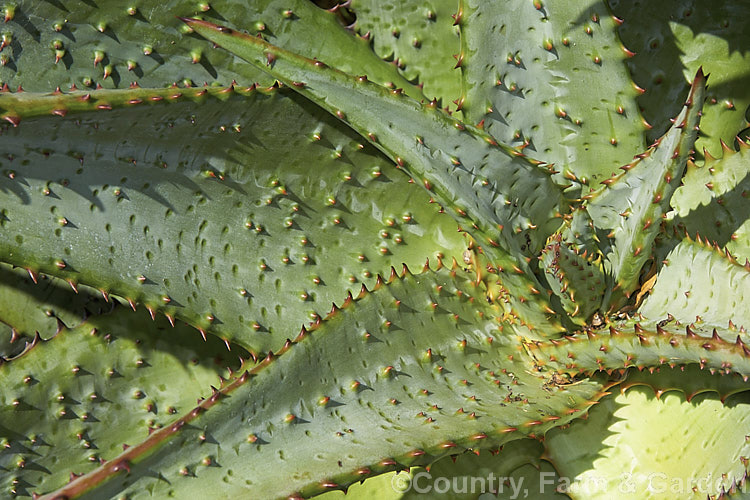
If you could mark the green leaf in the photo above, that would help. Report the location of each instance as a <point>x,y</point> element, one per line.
<point>577,280</point>
<point>467,171</point>
<point>635,445</point>
<point>513,471</point>
<point>689,380</point>
<point>418,36</point>
<point>554,83</point>
<point>113,43</point>
<point>245,213</point>
<point>713,202</point>
<point>76,398</point>
<point>629,209</point>
<point>630,344</point>
<point>422,358</point>
<point>698,283</point>
<point>28,308</point>
<point>671,40</point>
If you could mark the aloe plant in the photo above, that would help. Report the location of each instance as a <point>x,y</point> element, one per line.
<point>274,249</point>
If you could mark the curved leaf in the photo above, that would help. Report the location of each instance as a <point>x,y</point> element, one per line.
<point>671,40</point>
<point>245,213</point>
<point>466,170</point>
<point>119,377</point>
<point>425,360</point>
<point>698,283</point>
<point>632,205</point>
<point>713,202</point>
<point>513,471</point>
<point>44,308</point>
<point>634,445</point>
<point>419,37</point>
<point>629,344</point>
<point>111,43</point>
<point>554,83</point>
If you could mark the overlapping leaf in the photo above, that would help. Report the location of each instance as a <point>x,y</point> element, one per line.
<point>43,308</point>
<point>553,82</point>
<point>713,201</point>
<point>226,214</point>
<point>427,361</point>
<point>634,445</point>
<point>246,212</point>
<point>110,43</point>
<point>418,37</point>
<point>698,283</point>
<point>671,40</point>
<point>78,397</point>
<point>469,173</point>
<point>627,213</point>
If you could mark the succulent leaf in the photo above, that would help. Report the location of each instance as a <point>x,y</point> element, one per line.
<point>692,287</point>
<point>554,83</point>
<point>119,377</point>
<point>219,225</point>
<point>245,212</point>
<point>631,344</point>
<point>630,208</point>
<point>470,173</point>
<point>670,41</point>
<point>518,463</point>
<point>44,308</point>
<point>416,36</point>
<point>477,187</point>
<point>112,44</point>
<point>713,201</point>
<point>604,457</point>
<point>505,473</point>
<point>427,361</point>
<point>663,380</point>
<point>578,281</point>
